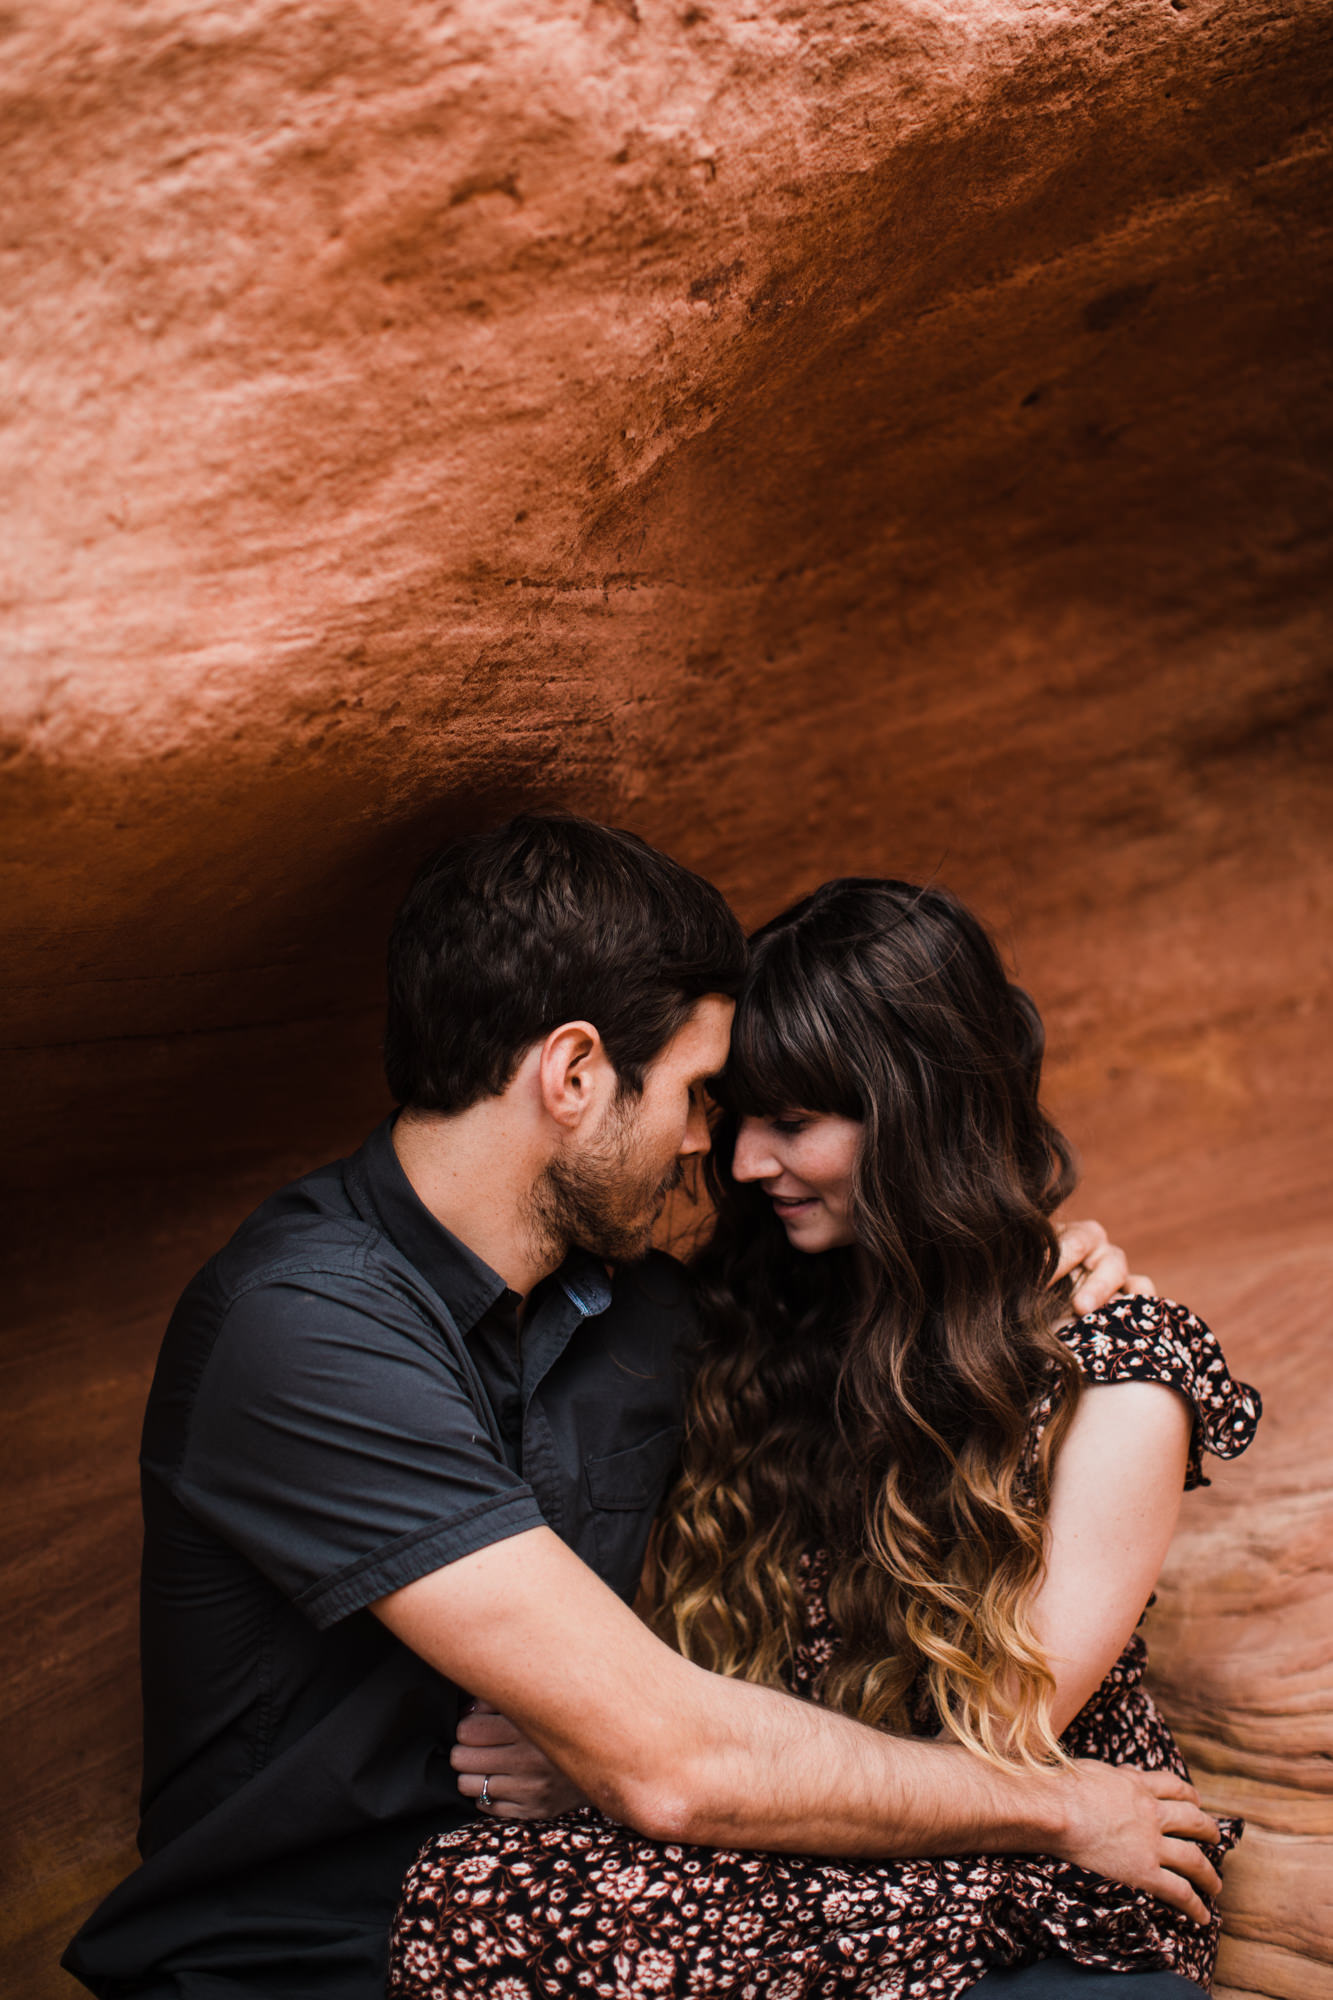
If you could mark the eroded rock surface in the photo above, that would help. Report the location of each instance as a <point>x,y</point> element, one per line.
<point>827,437</point>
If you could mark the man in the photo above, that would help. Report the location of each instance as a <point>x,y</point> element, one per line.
<point>407,1436</point>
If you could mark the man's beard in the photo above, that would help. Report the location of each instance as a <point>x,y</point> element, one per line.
<point>606,1200</point>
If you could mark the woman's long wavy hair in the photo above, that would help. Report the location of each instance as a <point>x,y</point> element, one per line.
<point>876,1401</point>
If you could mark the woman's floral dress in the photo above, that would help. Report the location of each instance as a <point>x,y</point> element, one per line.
<point>517,1910</point>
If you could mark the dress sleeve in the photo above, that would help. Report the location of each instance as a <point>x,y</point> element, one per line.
<point>1155,1340</point>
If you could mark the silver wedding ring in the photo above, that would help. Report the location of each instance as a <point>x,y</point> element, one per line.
<point>485,1798</point>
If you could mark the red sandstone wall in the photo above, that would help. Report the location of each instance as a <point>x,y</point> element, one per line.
<point>872,436</point>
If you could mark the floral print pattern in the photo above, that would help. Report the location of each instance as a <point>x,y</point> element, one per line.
<point>579,1905</point>
<point>1155,1340</point>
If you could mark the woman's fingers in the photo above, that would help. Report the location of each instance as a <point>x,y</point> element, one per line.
<point>519,1781</point>
<point>1137,1283</point>
<point>507,1787</point>
<point>511,1795</point>
<point>1104,1274</point>
<point>518,1760</point>
<point>502,1796</point>
<point>1099,1268</point>
<point>1078,1241</point>
<point>487,1729</point>
<point>470,1761</point>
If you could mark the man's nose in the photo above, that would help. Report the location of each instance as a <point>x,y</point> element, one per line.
<point>698,1138</point>
<point>753,1158</point>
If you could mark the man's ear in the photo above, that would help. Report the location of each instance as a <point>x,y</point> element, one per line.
<point>574,1075</point>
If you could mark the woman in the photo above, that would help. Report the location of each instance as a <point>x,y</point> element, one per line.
<point>895,1497</point>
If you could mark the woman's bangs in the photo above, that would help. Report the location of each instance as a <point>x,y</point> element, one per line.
<point>780,1057</point>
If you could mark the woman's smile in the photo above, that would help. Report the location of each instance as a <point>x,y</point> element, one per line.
<point>789,1206</point>
<point>818,1150</point>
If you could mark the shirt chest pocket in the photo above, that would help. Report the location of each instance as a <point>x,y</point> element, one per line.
<point>624,1491</point>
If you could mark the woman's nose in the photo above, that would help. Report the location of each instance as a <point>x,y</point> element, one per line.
<point>753,1158</point>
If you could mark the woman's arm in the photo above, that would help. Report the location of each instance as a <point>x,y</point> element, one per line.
<point>1115,1497</point>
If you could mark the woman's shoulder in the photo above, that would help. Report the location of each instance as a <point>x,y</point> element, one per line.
<point>1139,1338</point>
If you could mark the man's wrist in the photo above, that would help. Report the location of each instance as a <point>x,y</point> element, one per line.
<point>1013,1811</point>
<point>1038,1806</point>
<point>1051,1808</point>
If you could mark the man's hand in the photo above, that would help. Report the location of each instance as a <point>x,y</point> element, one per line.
<point>1100,1268</point>
<point>1142,1828</point>
<point>523,1783</point>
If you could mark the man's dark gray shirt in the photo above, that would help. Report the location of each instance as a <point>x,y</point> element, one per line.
<point>343,1404</point>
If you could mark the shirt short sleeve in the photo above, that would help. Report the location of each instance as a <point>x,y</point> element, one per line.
<point>337,1442</point>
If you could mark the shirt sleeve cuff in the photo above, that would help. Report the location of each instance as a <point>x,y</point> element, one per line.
<point>416,1555</point>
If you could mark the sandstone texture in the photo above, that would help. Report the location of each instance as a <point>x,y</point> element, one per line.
<point>826,435</point>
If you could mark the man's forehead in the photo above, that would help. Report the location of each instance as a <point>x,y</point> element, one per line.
<point>703,1040</point>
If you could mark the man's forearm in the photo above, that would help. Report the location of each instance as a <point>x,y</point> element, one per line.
<point>754,1768</point>
<point>681,1754</point>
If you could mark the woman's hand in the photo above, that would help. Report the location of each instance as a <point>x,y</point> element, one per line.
<point>1100,1267</point>
<point>521,1782</point>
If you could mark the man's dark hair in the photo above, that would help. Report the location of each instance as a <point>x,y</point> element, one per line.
<point>549,918</point>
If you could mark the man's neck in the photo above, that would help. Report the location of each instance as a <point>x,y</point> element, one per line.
<point>474,1171</point>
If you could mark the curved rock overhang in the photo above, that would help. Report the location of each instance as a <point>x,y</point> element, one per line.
<point>826,437</point>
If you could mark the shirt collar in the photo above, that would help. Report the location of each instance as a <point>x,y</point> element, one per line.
<point>468,1286</point>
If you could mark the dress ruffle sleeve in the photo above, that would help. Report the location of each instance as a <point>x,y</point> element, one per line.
<point>1155,1340</point>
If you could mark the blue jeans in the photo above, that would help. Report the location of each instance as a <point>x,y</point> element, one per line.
<point>1061,1979</point>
